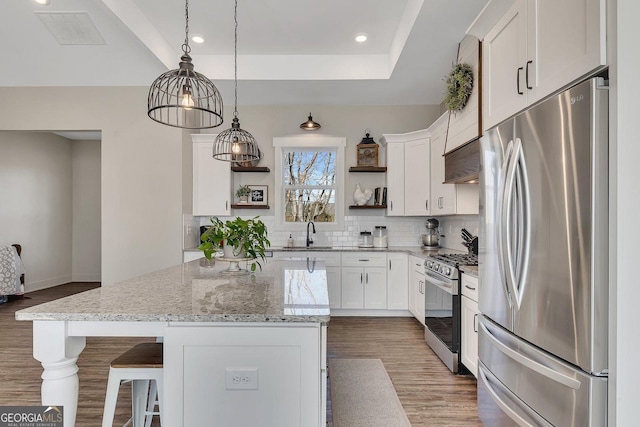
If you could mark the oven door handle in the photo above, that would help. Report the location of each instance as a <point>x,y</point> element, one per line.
<point>445,285</point>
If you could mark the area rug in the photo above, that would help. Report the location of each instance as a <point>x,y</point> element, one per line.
<point>362,395</point>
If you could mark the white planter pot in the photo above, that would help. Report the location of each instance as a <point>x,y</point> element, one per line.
<point>230,253</point>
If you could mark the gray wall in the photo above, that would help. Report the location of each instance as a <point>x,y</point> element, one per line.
<point>50,192</point>
<point>141,168</point>
<point>86,241</point>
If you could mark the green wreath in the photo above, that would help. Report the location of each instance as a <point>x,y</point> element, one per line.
<point>459,87</point>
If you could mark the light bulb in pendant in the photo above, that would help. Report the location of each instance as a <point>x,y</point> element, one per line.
<point>187,98</point>
<point>235,146</point>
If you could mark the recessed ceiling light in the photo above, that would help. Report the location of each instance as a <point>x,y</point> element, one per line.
<point>42,2</point>
<point>197,38</point>
<point>361,38</point>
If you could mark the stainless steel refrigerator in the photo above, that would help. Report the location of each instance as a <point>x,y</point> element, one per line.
<point>543,264</point>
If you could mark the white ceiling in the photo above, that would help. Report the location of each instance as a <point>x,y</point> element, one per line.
<point>289,51</point>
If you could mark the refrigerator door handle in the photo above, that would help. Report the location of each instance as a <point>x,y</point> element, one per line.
<point>500,221</point>
<point>491,384</point>
<point>529,363</point>
<point>516,180</point>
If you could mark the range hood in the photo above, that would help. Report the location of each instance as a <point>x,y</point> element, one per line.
<point>462,165</point>
<point>462,149</point>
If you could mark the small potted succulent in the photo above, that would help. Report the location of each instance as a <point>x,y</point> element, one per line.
<point>238,238</point>
<point>243,194</point>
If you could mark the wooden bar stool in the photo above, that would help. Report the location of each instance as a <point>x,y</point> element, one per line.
<point>139,365</point>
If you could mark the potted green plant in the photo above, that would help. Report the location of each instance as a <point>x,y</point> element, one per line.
<point>238,238</point>
<point>243,193</point>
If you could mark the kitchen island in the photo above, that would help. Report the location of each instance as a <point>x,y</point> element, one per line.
<point>268,329</point>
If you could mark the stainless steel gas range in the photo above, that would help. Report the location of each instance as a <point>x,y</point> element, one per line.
<point>442,305</point>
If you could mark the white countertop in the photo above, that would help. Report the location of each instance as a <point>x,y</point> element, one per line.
<point>284,291</point>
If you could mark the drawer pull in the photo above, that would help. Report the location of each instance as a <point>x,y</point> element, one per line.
<point>364,260</point>
<point>469,287</point>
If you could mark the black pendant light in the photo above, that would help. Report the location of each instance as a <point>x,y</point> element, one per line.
<point>310,124</point>
<point>184,98</point>
<point>236,144</point>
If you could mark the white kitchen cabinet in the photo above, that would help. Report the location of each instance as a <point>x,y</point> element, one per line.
<point>332,264</point>
<point>469,336</point>
<point>503,56</point>
<point>352,288</point>
<point>364,280</point>
<point>395,179</point>
<point>448,199</point>
<point>408,175</point>
<point>417,177</point>
<point>535,49</point>
<point>211,179</point>
<point>417,288</point>
<point>397,281</point>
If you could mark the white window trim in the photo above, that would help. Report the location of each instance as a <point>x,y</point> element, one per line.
<point>309,142</point>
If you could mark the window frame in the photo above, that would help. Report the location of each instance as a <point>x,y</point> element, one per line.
<point>309,142</point>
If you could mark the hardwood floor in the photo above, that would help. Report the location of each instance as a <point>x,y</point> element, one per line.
<point>430,394</point>
<point>20,372</point>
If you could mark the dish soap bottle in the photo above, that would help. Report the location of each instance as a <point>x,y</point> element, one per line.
<point>290,242</point>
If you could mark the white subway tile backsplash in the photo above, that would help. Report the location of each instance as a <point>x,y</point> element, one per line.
<point>401,231</point>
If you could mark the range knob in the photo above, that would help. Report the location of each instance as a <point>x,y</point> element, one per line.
<point>436,266</point>
<point>447,271</point>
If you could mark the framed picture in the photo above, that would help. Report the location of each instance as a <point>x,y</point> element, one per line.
<point>259,195</point>
<point>367,154</point>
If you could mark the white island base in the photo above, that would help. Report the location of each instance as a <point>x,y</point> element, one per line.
<point>238,351</point>
<point>245,375</point>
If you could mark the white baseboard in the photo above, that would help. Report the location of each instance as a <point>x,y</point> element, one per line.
<point>45,284</point>
<point>344,312</point>
<point>86,278</point>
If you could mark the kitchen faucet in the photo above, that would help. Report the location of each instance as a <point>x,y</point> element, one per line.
<point>309,239</point>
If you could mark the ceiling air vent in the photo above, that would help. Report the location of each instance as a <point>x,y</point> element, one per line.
<point>71,28</point>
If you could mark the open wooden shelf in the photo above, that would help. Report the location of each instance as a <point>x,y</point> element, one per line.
<point>250,206</point>
<point>377,169</point>
<point>368,207</point>
<point>250,169</point>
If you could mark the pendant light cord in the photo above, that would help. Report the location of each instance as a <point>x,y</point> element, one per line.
<point>235,59</point>
<point>185,47</point>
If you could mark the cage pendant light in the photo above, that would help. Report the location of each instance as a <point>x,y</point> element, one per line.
<point>184,98</point>
<point>236,144</point>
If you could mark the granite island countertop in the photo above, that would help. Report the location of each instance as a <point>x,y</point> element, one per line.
<point>284,291</point>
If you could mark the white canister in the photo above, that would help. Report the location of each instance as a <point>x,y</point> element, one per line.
<point>380,237</point>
